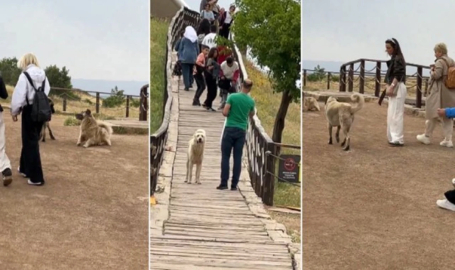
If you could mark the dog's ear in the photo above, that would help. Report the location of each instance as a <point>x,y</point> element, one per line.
<point>88,112</point>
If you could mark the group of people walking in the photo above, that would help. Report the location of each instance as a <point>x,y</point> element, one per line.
<point>439,105</point>
<point>205,62</point>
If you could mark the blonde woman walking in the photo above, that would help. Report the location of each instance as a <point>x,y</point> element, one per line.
<point>31,79</point>
<point>440,97</point>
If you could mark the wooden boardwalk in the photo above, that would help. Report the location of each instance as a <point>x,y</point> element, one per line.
<point>205,228</point>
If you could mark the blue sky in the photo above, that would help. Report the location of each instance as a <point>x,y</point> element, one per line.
<point>342,31</point>
<point>105,40</point>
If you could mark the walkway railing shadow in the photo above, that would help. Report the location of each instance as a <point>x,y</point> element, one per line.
<point>261,150</point>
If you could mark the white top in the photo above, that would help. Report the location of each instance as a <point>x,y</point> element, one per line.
<point>228,18</point>
<point>228,71</point>
<point>23,88</point>
<point>209,40</point>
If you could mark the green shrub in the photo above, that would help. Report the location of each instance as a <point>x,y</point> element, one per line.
<point>71,121</point>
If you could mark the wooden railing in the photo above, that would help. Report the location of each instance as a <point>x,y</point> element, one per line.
<point>356,72</point>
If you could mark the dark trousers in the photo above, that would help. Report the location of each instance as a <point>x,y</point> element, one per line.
<point>187,72</point>
<point>450,196</point>
<point>233,139</point>
<point>224,32</point>
<point>200,82</point>
<point>211,90</point>
<point>30,162</point>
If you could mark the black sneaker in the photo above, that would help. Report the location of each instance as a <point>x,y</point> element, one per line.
<point>211,110</point>
<point>220,187</point>
<point>196,103</point>
<point>7,177</point>
<point>233,188</point>
<point>396,144</point>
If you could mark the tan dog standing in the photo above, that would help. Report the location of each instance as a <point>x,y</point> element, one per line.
<point>341,115</point>
<point>195,156</point>
<point>93,132</point>
<point>310,104</point>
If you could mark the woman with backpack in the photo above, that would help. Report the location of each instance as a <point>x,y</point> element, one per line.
<point>440,97</point>
<point>32,88</point>
<point>188,51</point>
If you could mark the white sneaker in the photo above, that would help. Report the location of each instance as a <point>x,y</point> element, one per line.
<point>446,204</point>
<point>35,184</point>
<point>23,174</point>
<point>453,182</point>
<point>423,139</point>
<point>446,143</point>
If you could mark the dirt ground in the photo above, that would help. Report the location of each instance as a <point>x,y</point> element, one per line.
<point>374,207</point>
<point>92,212</point>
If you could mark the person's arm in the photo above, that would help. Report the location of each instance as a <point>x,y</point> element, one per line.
<point>222,66</point>
<point>177,45</point>
<point>449,112</point>
<point>235,77</point>
<point>180,49</point>
<point>399,71</point>
<point>438,70</point>
<point>200,60</point>
<point>252,109</point>
<point>3,92</point>
<point>227,106</point>
<point>47,87</point>
<point>19,95</point>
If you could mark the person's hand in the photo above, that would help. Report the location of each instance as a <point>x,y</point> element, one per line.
<point>14,118</point>
<point>389,91</point>
<point>442,112</point>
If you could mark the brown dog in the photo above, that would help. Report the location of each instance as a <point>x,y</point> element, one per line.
<point>46,125</point>
<point>92,131</point>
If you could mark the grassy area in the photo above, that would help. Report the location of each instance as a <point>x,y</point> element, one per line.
<point>86,101</point>
<point>158,38</point>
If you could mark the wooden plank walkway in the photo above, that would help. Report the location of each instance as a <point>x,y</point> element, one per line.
<point>205,228</point>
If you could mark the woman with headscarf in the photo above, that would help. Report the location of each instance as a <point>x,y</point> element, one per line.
<point>187,54</point>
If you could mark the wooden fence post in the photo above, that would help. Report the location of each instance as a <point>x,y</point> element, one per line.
<point>329,78</point>
<point>269,178</point>
<point>127,106</point>
<point>342,79</point>
<point>97,102</point>
<point>419,88</point>
<point>362,77</point>
<point>377,85</point>
<point>64,103</point>
<point>351,77</point>
<point>143,103</point>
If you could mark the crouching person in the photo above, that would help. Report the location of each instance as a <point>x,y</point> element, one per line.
<point>229,73</point>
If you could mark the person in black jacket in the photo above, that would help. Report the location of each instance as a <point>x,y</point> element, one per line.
<point>396,91</point>
<point>5,164</point>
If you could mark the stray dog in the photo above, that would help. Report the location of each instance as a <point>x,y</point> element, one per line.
<point>341,115</point>
<point>195,156</point>
<point>310,104</point>
<point>46,125</point>
<point>93,132</point>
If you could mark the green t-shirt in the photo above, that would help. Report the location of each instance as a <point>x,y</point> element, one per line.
<point>241,106</point>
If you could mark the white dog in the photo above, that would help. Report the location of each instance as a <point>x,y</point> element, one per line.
<point>195,156</point>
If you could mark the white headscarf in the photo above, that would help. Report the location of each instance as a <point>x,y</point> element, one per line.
<point>190,33</point>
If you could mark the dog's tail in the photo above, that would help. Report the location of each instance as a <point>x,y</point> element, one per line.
<point>358,100</point>
<point>106,126</point>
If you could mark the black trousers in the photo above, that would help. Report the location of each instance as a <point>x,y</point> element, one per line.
<point>224,32</point>
<point>211,90</point>
<point>200,82</point>
<point>30,162</point>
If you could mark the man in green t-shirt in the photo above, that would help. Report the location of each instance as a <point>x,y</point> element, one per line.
<point>239,107</point>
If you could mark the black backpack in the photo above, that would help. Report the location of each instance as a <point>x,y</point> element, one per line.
<point>177,71</point>
<point>41,110</point>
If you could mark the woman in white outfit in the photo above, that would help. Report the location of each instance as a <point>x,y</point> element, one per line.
<point>5,164</point>
<point>440,97</point>
<point>22,101</point>
<point>396,91</point>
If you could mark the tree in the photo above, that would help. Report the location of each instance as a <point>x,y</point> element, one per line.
<point>9,70</point>
<point>271,29</point>
<point>317,75</point>
<point>58,77</point>
<point>116,99</point>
